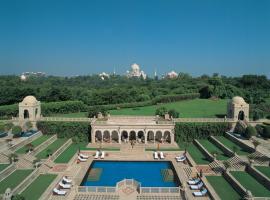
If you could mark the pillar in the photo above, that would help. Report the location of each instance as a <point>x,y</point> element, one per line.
<point>102,136</point>
<point>93,136</point>
<point>128,133</point>
<point>136,135</point>
<point>119,137</point>
<point>145,137</point>
<point>154,137</point>
<point>110,136</point>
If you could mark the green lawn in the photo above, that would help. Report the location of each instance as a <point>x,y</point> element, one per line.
<point>264,169</point>
<point>210,147</point>
<point>38,186</point>
<point>250,183</point>
<point>14,179</point>
<point>197,155</point>
<point>3,166</point>
<point>224,190</point>
<point>35,143</point>
<point>230,144</point>
<point>53,147</point>
<point>69,153</point>
<point>189,108</point>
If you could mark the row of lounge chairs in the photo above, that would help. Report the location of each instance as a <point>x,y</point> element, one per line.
<point>99,154</point>
<point>65,183</point>
<point>180,158</point>
<point>197,184</point>
<point>158,155</point>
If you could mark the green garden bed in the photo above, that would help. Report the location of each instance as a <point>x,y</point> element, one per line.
<point>231,145</point>
<point>224,190</point>
<point>14,179</point>
<point>69,152</point>
<point>264,169</point>
<point>53,147</point>
<point>38,186</point>
<point>35,143</point>
<point>250,183</point>
<point>197,155</point>
<point>3,166</point>
<point>210,147</point>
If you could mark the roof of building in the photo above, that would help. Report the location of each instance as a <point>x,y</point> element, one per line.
<point>30,100</point>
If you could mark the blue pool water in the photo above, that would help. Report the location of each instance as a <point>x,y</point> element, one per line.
<point>147,173</point>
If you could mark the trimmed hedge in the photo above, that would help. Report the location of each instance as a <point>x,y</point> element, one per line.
<point>187,132</point>
<point>78,131</point>
<point>6,112</point>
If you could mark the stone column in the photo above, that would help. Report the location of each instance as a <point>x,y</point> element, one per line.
<point>154,137</point>
<point>110,137</point>
<point>128,133</point>
<point>119,137</point>
<point>102,136</point>
<point>136,136</point>
<point>145,137</point>
<point>93,136</point>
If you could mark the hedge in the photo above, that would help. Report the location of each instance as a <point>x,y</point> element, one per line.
<point>6,112</point>
<point>63,107</point>
<point>78,131</point>
<point>187,132</point>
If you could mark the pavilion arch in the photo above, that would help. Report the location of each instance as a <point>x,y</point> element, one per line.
<point>124,135</point>
<point>158,136</point>
<point>132,135</point>
<point>26,114</point>
<point>241,115</point>
<point>141,136</point>
<point>98,136</point>
<point>106,136</point>
<point>167,137</point>
<point>150,136</point>
<point>115,136</point>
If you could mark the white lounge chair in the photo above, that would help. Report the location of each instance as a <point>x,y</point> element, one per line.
<point>155,155</point>
<point>83,156</point>
<point>194,181</point>
<point>82,159</point>
<point>201,193</point>
<point>96,155</point>
<point>59,192</point>
<point>102,155</point>
<point>161,155</point>
<point>64,186</point>
<point>181,158</point>
<point>67,180</point>
<point>196,187</point>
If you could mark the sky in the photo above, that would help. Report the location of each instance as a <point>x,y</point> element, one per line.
<point>81,37</point>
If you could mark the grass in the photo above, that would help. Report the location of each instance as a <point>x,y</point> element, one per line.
<point>69,153</point>
<point>3,166</point>
<point>38,186</point>
<point>53,147</point>
<point>264,169</point>
<point>230,144</point>
<point>14,179</point>
<point>223,188</point>
<point>250,183</point>
<point>35,143</point>
<point>210,147</point>
<point>72,115</point>
<point>188,108</point>
<point>197,155</point>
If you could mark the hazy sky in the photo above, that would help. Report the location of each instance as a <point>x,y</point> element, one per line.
<point>231,37</point>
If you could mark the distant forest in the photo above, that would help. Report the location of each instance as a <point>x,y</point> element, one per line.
<point>92,90</point>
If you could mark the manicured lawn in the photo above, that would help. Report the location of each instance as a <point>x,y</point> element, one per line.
<point>230,144</point>
<point>69,153</point>
<point>210,147</point>
<point>35,143</point>
<point>53,147</point>
<point>224,190</point>
<point>14,179</point>
<point>250,183</point>
<point>38,186</point>
<point>72,115</point>
<point>189,108</point>
<point>264,169</point>
<point>197,155</point>
<point>3,166</point>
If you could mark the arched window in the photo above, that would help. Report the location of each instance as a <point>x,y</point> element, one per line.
<point>25,114</point>
<point>98,136</point>
<point>132,135</point>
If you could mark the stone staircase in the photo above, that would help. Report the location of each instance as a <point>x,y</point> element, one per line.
<point>217,166</point>
<point>237,163</point>
<point>259,158</point>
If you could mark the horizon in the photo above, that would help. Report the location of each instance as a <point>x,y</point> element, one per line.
<point>90,37</point>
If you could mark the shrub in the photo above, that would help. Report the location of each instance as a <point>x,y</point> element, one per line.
<point>249,132</point>
<point>173,113</point>
<point>187,132</point>
<point>161,111</point>
<point>16,131</point>
<point>173,98</point>
<point>239,128</point>
<point>7,111</point>
<point>259,129</point>
<point>81,130</point>
<point>266,132</point>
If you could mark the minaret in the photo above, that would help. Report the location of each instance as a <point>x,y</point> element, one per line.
<point>155,75</point>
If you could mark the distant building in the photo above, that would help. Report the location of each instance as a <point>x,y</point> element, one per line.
<point>26,75</point>
<point>104,75</point>
<point>136,72</point>
<point>172,74</point>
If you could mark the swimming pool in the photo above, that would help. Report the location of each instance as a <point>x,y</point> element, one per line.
<point>148,173</point>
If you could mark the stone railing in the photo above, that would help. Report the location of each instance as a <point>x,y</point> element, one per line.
<point>234,183</point>
<point>26,141</point>
<point>26,182</point>
<point>66,119</point>
<point>6,172</point>
<point>147,190</point>
<point>42,146</point>
<point>129,182</point>
<point>61,149</point>
<point>95,189</point>
<point>226,150</point>
<point>203,120</point>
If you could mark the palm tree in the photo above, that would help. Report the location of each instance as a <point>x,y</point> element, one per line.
<point>255,143</point>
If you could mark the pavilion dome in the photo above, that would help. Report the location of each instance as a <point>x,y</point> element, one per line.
<point>238,100</point>
<point>135,67</point>
<point>30,100</point>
